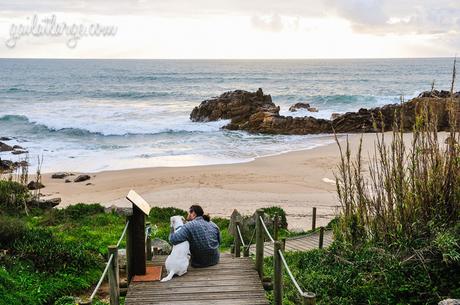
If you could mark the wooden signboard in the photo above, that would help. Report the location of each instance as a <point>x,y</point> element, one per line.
<point>138,201</point>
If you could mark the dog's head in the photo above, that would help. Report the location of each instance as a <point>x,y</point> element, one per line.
<point>177,221</point>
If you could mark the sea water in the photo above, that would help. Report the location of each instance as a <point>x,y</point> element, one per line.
<point>93,115</point>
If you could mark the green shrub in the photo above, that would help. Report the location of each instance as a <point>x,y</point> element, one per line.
<point>72,213</point>
<point>10,230</point>
<point>162,215</point>
<point>272,211</point>
<point>367,275</point>
<point>13,197</point>
<point>50,254</point>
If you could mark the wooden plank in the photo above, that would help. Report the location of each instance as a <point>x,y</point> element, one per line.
<point>234,281</point>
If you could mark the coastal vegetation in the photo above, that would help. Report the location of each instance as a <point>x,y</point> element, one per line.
<point>397,240</point>
<point>46,256</point>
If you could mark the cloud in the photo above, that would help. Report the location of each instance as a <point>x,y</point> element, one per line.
<point>399,17</point>
<point>271,24</point>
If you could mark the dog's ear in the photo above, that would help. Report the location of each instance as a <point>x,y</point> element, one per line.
<point>183,219</point>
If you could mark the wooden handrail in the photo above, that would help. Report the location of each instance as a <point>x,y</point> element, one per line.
<point>112,270</point>
<point>279,261</point>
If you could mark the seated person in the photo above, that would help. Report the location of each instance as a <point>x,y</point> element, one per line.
<point>203,236</point>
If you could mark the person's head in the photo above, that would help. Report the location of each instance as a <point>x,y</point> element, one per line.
<point>196,211</point>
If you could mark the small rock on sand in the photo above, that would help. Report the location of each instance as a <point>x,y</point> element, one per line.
<point>34,185</point>
<point>82,178</point>
<point>60,175</point>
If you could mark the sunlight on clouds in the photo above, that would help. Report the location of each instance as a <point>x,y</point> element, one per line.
<point>223,36</point>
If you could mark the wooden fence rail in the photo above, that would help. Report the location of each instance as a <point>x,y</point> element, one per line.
<point>279,262</point>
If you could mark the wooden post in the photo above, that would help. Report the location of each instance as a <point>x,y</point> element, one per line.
<point>259,244</point>
<point>85,302</point>
<point>114,277</point>
<point>149,243</point>
<point>308,298</point>
<point>246,251</point>
<point>129,246</point>
<point>237,240</point>
<point>321,237</point>
<point>278,275</point>
<point>313,219</point>
<point>283,244</point>
<point>276,224</point>
<point>138,241</point>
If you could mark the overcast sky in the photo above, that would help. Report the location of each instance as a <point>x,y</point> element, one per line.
<point>236,28</point>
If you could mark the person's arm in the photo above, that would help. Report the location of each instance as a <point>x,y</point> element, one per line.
<point>179,236</point>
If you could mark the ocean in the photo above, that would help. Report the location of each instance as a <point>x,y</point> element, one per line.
<point>93,115</point>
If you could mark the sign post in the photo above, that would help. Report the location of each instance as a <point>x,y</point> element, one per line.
<point>135,245</point>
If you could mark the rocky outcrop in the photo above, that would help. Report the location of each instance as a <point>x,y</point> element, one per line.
<point>438,94</point>
<point>9,166</point>
<point>236,105</point>
<point>298,106</point>
<point>384,117</point>
<point>255,112</point>
<point>5,147</point>
<point>269,123</point>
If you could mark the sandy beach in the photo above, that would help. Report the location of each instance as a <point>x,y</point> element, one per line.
<point>296,181</point>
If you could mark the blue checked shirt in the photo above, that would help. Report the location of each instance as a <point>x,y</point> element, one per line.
<point>204,239</point>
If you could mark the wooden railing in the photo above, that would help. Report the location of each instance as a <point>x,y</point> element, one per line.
<point>261,230</point>
<point>112,269</point>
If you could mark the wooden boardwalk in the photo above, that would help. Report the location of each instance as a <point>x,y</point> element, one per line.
<point>233,281</point>
<point>298,243</point>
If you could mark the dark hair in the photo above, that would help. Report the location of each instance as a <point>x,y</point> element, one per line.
<point>199,212</point>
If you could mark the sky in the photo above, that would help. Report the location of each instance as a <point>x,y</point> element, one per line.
<point>229,29</point>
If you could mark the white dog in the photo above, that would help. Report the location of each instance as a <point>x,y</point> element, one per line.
<point>177,262</point>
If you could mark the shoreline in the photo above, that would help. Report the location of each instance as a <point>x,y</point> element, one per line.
<point>291,180</point>
<point>296,181</point>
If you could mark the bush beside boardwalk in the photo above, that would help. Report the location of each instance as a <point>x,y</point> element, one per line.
<point>48,255</point>
<point>397,240</point>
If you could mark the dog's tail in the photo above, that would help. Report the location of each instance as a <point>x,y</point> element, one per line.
<point>168,277</point>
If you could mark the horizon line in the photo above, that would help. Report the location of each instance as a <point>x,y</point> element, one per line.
<point>230,59</point>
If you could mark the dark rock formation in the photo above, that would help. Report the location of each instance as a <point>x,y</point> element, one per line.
<point>82,178</point>
<point>44,204</point>
<point>312,109</point>
<point>34,185</point>
<point>6,165</point>
<point>5,139</point>
<point>438,94</point>
<point>297,106</point>
<point>237,105</point>
<point>19,152</point>
<point>5,147</point>
<point>335,116</point>
<point>9,166</point>
<point>60,175</point>
<point>256,113</point>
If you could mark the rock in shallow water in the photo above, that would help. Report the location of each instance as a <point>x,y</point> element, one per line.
<point>297,106</point>
<point>256,113</point>
<point>5,147</point>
